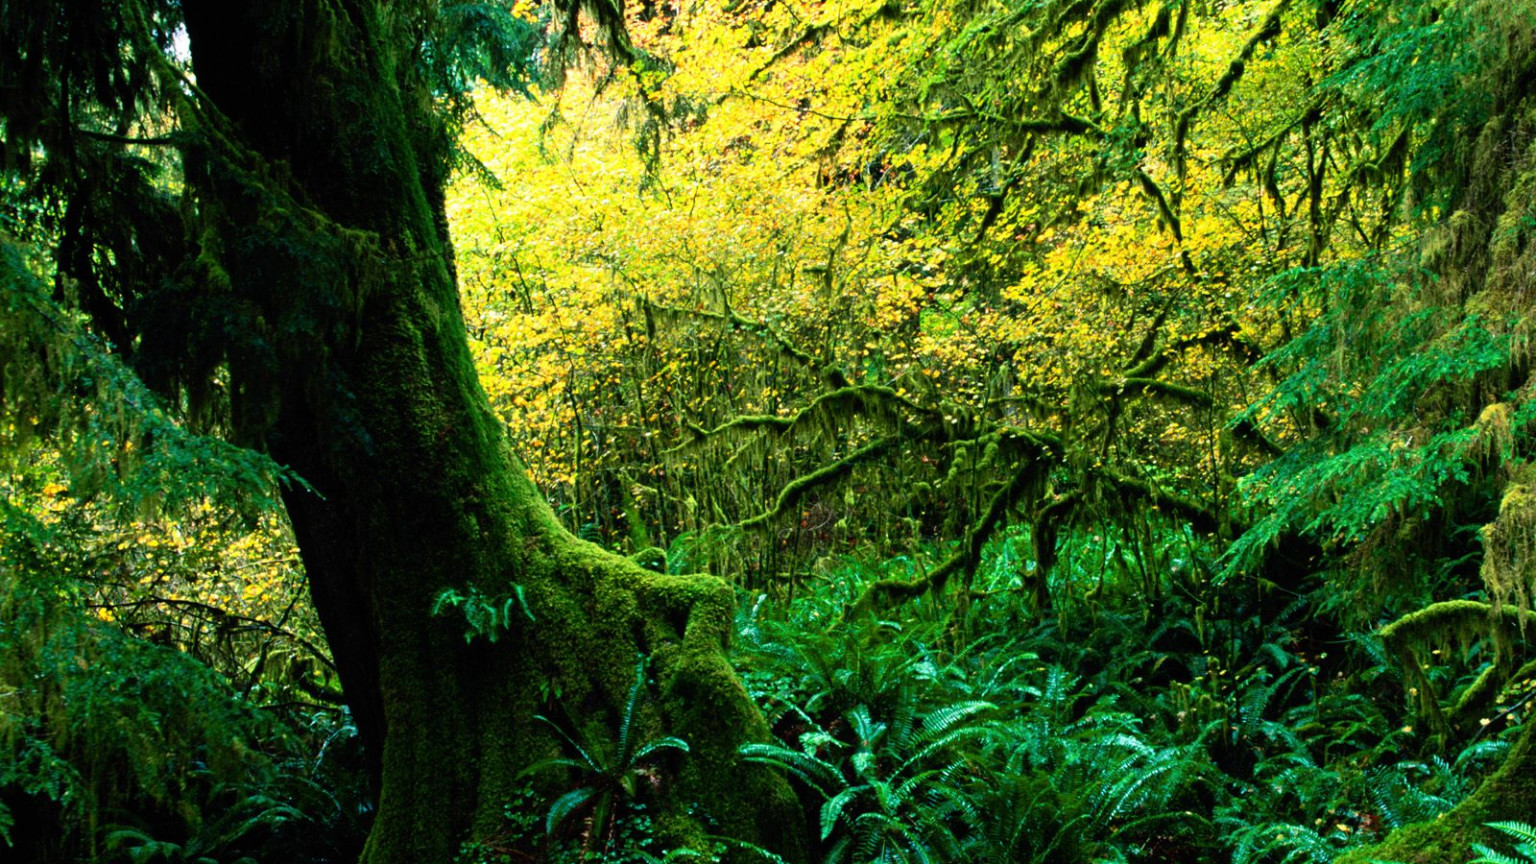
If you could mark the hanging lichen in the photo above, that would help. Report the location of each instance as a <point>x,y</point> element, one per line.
<point>1509,548</point>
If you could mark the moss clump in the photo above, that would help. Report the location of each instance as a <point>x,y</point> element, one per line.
<point>595,611</point>
<point>701,694</point>
<point>653,558</point>
<point>1509,549</point>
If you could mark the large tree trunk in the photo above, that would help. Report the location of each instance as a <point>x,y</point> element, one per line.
<point>320,178</point>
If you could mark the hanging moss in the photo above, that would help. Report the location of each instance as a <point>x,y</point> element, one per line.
<point>823,476</point>
<point>1412,636</point>
<point>1509,550</point>
<point>1027,483</point>
<point>1450,619</point>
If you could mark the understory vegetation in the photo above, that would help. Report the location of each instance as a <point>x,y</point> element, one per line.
<point>1114,421</point>
<point>1215,725</point>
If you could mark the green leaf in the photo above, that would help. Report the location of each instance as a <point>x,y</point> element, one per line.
<point>567,804</point>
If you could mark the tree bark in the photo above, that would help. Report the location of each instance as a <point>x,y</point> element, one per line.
<point>319,178</point>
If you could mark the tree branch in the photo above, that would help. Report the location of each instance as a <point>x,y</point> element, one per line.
<point>797,488</point>
<point>831,375</point>
<point>1030,477</point>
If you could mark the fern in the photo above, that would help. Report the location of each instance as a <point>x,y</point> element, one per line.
<point>1524,836</point>
<point>213,839</point>
<point>484,616</point>
<point>889,793</point>
<point>607,772</point>
<point>1294,844</point>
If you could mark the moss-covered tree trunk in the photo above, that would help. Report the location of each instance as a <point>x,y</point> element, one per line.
<point>319,179</point>
<point>1508,795</point>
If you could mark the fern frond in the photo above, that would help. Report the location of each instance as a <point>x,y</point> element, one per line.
<point>940,720</point>
<point>838,851</point>
<point>587,762</point>
<point>1487,855</point>
<point>817,773</point>
<point>567,804</point>
<point>866,727</point>
<point>631,708</point>
<point>651,747</point>
<point>832,810</point>
<point>1521,831</point>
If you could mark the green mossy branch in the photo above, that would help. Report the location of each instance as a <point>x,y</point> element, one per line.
<point>1410,636</point>
<point>1157,387</point>
<point>1435,623</point>
<point>745,423</point>
<point>1072,65</point>
<point>1478,696</point>
<point>1267,30</point>
<point>1221,337</point>
<point>823,476</point>
<point>881,404</point>
<point>1199,516</point>
<point>830,374</point>
<point>1237,159</point>
<point>1027,482</point>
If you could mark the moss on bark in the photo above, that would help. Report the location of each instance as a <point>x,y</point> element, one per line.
<point>1509,794</point>
<point>319,175</point>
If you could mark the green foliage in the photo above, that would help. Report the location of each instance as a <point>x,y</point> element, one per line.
<point>117,439</point>
<point>1420,71</point>
<point>631,838</point>
<point>1083,784</point>
<point>487,42</point>
<point>1073,432</point>
<point>484,616</point>
<point>1352,806</point>
<point>608,772</point>
<point>1194,734</point>
<point>890,794</point>
<point>1524,836</point>
<point>212,838</point>
<point>1375,459</point>
<point>148,691</point>
<point>830,667</point>
<point>111,728</point>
